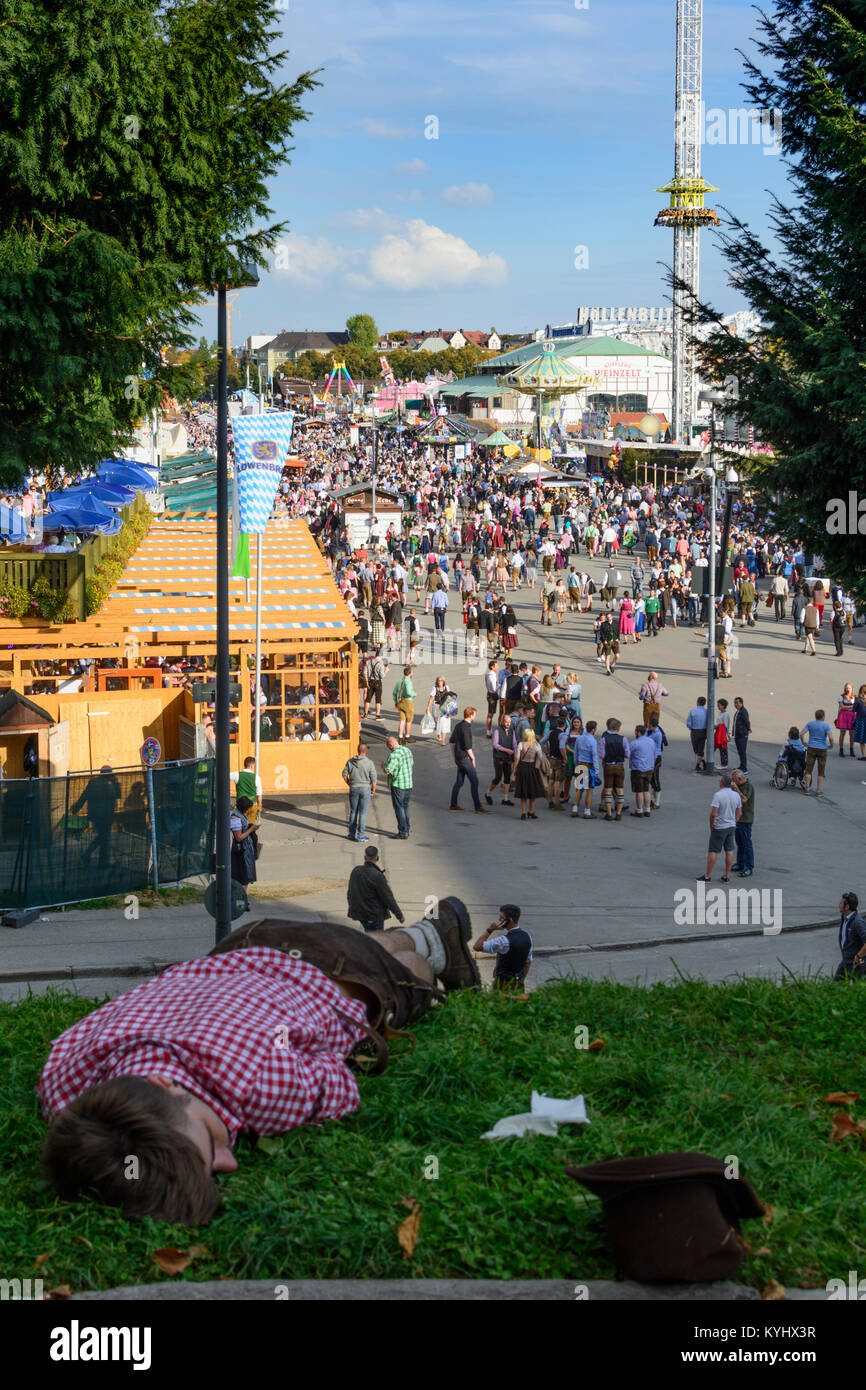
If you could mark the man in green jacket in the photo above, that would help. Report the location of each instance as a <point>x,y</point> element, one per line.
<point>747,602</point>
<point>404,700</point>
<point>743,829</point>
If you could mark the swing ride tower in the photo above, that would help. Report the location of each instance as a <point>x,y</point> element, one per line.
<point>686,212</point>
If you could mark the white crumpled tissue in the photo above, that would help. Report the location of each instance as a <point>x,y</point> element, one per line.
<point>542,1119</point>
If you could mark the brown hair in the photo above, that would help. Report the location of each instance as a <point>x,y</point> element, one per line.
<point>89,1144</point>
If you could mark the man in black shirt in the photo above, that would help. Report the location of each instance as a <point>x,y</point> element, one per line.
<point>464,758</point>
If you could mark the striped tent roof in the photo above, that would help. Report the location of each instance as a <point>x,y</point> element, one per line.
<point>169,588</point>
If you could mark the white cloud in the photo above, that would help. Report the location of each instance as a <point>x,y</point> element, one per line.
<point>311,260</point>
<point>382,130</point>
<point>468,195</point>
<point>413,196</point>
<point>423,256</point>
<point>408,256</point>
<point>365,218</point>
<point>413,166</point>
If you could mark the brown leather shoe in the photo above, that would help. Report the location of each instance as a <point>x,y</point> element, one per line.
<point>455,928</point>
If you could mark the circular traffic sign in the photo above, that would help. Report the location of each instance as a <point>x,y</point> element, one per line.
<point>151,752</point>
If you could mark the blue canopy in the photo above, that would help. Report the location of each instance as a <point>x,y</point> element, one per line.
<point>70,510</point>
<point>128,474</point>
<point>115,495</point>
<point>81,519</point>
<point>129,477</point>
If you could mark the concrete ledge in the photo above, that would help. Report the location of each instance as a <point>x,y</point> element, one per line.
<point>155,967</point>
<point>421,1290</point>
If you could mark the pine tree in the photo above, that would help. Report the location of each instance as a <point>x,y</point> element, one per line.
<point>136,141</point>
<point>802,381</point>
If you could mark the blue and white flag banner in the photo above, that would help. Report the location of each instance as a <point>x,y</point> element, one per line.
<point>262,445</point>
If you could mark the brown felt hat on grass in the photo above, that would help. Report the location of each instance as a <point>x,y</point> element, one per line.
<point>672,1216</point>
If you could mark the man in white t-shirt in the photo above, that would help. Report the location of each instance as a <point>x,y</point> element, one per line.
<point>725,810</point>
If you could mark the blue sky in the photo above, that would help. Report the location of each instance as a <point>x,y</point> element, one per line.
<point>555,127</point>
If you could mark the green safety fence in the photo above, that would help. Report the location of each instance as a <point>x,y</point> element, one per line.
<point>95,835</point>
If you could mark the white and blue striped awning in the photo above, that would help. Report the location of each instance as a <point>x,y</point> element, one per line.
<point>243,627</point>
<point>245,608</point>
<point>181,568</point>
<point>176,593</point>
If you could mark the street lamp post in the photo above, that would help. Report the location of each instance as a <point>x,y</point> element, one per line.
<point>710,764</point>
<point>222,720</point>
<point>713,398</point>
<point>375,468</point>
<point>222,783</point>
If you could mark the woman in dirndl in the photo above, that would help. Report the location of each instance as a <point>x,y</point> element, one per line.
<point>529,783</point>
<point>626,619</point>
<point>639,618</point>
<point>574,730</point>
<point>440,696</point>
<point>560,601</point>
<point>508,630</point>
<point>377,624</point>
<point>846,718</point>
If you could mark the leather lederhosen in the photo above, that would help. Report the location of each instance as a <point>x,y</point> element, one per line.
<point>394,996</point>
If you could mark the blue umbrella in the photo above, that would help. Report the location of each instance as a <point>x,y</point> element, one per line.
<point>83,513</point>
<point>127,475</point>
<point>117,496</point>
<point>74,521</point>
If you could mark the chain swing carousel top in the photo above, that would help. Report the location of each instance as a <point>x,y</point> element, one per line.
<point>547,376</point>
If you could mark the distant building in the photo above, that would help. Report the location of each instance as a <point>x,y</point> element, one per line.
<point>287,347</point>
<point>617,378</point>
<point>433,344</point>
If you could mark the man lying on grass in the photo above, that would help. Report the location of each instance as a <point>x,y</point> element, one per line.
<point>148,1094</point>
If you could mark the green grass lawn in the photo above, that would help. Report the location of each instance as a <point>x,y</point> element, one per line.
<point>730,1070</point>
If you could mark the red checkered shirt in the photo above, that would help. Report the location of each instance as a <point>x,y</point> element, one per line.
<point>254,1033</point>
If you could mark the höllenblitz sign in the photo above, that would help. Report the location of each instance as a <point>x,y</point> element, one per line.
<point>624,313</point>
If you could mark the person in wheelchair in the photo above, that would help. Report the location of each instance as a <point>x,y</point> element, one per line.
<point>793,755</point>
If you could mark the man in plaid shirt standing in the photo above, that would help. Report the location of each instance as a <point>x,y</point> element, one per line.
<point>399,769</point>
<point>148,1094</point>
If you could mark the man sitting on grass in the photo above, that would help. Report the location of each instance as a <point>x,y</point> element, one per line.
<point>148,1094</point>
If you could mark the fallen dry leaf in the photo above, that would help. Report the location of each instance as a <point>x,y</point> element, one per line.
<point>40,1259</point>
<point>84,1240</point>
<point>518,998</point>
<point>171,1261</point>
<point>62,1291</point>
<point>596,1045</point>
<point>842,1097</point>
<point>196,1250</point>
<point>763,1251</point>
<point>768,1212</point>
<point>407,1231</point>
<point>773,1291</point>
<point>844,1127</point>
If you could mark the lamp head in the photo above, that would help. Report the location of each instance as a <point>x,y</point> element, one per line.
<point>714,398</point>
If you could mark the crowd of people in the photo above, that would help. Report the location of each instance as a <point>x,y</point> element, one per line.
<point>608,566</point>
